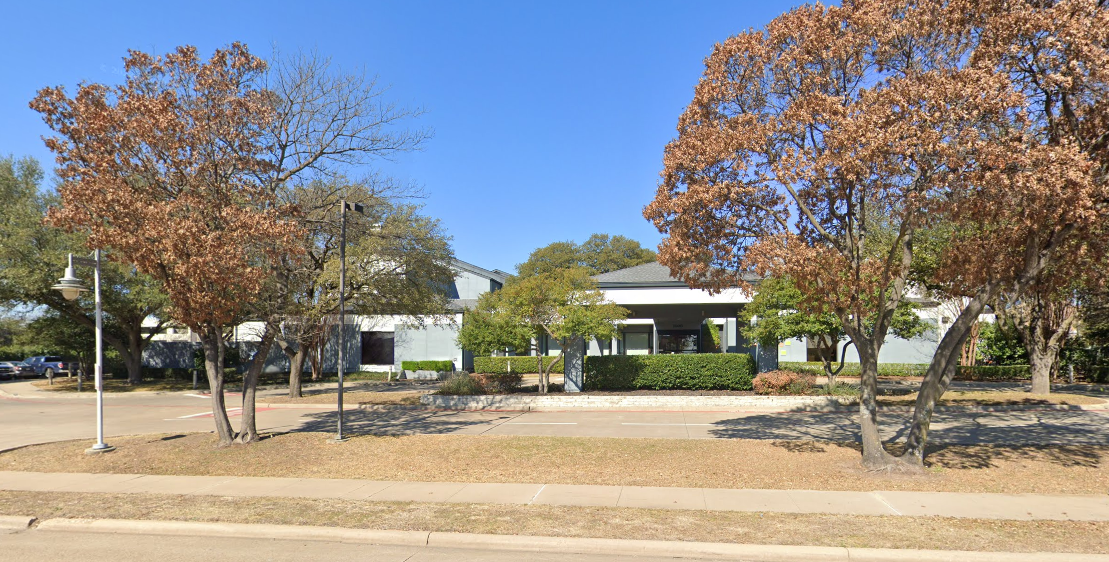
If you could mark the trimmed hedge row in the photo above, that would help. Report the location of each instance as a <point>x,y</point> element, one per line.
<point>994,373</point>
<point>445,365</point>
<point>702,371</point>
<point>816,368</point>
<point>521,364</point>
<point>968,373</point>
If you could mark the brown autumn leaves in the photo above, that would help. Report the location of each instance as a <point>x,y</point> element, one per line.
<point>827,146</point>
<point>172,172</point>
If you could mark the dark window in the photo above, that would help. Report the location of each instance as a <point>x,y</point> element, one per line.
<point>377,348</point>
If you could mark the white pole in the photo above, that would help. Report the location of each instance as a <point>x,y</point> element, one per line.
<point>100,446</point>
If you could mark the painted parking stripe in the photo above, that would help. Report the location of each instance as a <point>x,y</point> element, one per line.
<point>541,423</point>
<point>680,424</point>
<point>230,412</point>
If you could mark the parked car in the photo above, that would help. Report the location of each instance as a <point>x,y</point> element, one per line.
<point>51,366</point>
<point>15,370</point>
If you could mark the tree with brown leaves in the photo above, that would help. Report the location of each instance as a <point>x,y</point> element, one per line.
<point>808,139</point>
<point>170,171</point>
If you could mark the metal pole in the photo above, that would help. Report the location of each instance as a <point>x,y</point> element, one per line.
<point>100,446</point>
<point>342,306</point>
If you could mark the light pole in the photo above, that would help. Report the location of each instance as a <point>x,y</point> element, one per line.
<point>343,207</point>
<point>71,288</point>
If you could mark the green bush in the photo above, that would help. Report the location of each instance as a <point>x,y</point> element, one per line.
<point>703,371</point>
<point>521,364</point>
<point>816,368</point>
<point>439,366</point>
<point>461,384</point>
<point>994,373</point>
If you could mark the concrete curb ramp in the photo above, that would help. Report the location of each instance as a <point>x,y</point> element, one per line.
<point>724,551</point>
<point>9,523</point>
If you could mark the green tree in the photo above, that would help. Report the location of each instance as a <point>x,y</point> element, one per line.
<point>775,314</point>
<point>999,344</point>
<point>33,254</point>
<point>601,253</point>
<point>563,305</point>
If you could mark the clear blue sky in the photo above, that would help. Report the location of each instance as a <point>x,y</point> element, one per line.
<point>549,118</point>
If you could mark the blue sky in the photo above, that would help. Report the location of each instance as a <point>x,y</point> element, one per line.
<point>549,118</point>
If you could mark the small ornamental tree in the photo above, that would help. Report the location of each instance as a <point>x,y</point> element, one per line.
<point>168,172</point>
<point>563,304</point>
<point>772,316</point>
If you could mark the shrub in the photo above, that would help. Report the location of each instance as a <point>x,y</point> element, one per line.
<point>521,364</point>
<point>704,371</point>
<point>783,382</point>
<point>816,368</point>
<point>499,383</point>
<point>994,372</point>
<point>440,366</point>
<point>461,384</point>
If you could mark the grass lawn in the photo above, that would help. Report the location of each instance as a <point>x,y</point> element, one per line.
<point>330,396</point>
<point>625,523</point>
<point>117,385</point>
<point>711,463</point>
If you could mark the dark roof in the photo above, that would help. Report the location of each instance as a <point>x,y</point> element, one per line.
<point>651,274</point>
<point>496,275</point>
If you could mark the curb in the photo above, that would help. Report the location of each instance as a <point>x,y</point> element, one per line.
<point>15,522</point>
<point>612,547</point>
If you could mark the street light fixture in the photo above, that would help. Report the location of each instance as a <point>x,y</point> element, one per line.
<point>71,288</point>
<point>344,206</point>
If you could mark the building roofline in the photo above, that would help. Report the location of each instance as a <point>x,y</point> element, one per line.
<point>467,266</point>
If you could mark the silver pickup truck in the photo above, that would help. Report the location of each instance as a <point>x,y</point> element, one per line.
<point>51,365</point>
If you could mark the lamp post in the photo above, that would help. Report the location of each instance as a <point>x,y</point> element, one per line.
<point>71,288</point>
<point>343,207</point>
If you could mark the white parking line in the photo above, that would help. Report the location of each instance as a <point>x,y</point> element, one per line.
<point>541,423</point>
<point>230,411</point>
<point>678,424</point>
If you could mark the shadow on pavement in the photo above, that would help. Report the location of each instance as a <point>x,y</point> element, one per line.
<point>1065,438</point>
<point>396,422</point>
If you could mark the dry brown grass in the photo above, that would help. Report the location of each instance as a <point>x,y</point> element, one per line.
<point>710,463</point>
<point>996,398</point>
<point>765,528</point>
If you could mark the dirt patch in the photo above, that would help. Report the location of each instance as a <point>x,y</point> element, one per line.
<point>715,463</point>
<point>646,524</point>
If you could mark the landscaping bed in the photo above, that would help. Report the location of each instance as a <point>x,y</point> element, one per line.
<point>716,463</point>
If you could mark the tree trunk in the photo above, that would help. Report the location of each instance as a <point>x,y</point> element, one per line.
<point>133,358</point>
<point>938,377</point>
<point>1041,360</point>
<point>296,372</point>
<point>875,456</point>
<point>248,429</point>
<point>212,342</point>
<point>542,373</point>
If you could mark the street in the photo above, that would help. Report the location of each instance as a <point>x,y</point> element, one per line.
<point>30,420</point>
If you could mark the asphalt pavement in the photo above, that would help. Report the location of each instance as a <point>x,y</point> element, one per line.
<point>29,416</point>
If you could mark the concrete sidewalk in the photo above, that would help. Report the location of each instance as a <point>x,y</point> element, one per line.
<point>944,504</point>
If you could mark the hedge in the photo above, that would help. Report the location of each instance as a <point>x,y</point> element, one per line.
<point>445,365</point>
<point>702,371</point>
<point>521,364</point>
<point>852,369</point>
<point>973,373</point>
<point>994,373</point>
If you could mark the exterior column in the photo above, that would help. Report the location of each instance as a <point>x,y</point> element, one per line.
<point>574,366</point>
